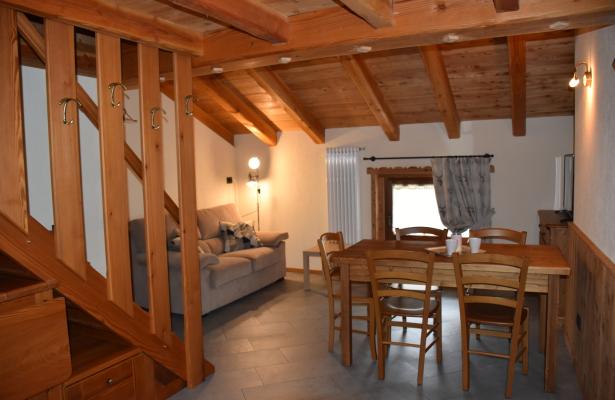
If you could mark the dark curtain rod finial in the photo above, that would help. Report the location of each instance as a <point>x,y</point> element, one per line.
<point>374,158</point>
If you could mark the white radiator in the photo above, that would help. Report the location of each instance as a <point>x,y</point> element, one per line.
<point>343,165</point>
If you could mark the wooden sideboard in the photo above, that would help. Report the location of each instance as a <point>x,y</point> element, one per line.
<point>554,231</point>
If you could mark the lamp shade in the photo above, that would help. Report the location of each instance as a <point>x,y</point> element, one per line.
<point>254,163</point>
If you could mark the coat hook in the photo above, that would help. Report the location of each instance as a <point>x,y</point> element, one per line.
<point>112,87</point>
<point>156,126</point>
<point>187,100</point>
<point>64,103</point>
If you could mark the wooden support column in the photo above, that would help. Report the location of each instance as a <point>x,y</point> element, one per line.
<point>191,272</point>
<point>372,95</point>
<point>436,70</point>
<point>113,168</point>
<point>13,194</point>
<point>277,89</point>
<point>153,192</point>
<point>516,70</point>
<point>64,146</point>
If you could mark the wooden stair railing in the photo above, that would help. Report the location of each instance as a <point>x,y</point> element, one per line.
<point>36,252</point>
<point>60,255</point>
<point>37,42</point>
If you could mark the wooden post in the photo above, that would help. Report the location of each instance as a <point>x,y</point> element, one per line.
<point>193,328</point>
<point>153,191</point>
<point>64,145</point>
<point>114,179</point>
<point>13,194</point>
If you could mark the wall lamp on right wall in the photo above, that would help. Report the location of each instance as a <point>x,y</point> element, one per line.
<point>586,77</point>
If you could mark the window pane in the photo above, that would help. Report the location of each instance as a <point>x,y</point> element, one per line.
<point>415,205</point>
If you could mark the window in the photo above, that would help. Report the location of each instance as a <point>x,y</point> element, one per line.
<point>402,197</point>
<point>414,204</point>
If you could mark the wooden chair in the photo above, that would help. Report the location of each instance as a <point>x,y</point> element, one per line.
<point>500,233</point>
<point>493,310</point>
<point>329,243</point>
<point>392,299</point>
<point>422,234</point>
<point>426,236</point>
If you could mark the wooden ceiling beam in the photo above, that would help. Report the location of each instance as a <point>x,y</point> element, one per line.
<point>232,101</point>
<point>415,23</point>
<point>378,13</point>
<point>356,68</point>
<point>506,5</point>
<point>200,114</point>
<point>277,89</point>
<point>436,70</point>
<point>516,70</point>
<point>248,16</point>
<point>103,16</point>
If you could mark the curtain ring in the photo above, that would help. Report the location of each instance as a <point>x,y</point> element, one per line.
<point>64,103</point>
<point>156,126</point>
<point>112,86</point>
<point>187,110</point>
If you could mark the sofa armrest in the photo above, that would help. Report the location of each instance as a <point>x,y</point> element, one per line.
<point>272,239</point>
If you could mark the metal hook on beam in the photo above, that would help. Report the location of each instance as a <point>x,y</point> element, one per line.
<point>156,126</point>
<point>64,103</point>
<point>112,86</point>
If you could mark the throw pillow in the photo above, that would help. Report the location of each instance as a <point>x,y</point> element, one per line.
<point>174,244</point>
<point>238,236</point>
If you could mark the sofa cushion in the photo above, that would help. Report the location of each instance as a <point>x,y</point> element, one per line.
<point>261,257</point>
<point>137,235</point>
<point>213,245</point>
<point>229,269</point>
<point>272,239</point>
<point>209,219</point>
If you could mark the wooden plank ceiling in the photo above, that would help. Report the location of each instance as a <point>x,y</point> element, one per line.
<point>408,74</point>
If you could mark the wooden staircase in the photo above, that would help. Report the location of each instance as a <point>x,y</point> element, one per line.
<point>59,255</point>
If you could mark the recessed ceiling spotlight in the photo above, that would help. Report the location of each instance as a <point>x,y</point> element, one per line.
<point>217,70</point>
<point>451,38</point>
<point>559,25</point>
<point>284,60</point>
<point>363,49</point>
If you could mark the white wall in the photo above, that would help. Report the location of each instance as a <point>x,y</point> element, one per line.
<point>594,200</point>
<point>294,172</point>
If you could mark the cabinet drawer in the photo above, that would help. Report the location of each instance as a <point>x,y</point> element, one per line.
<point>113,382</point>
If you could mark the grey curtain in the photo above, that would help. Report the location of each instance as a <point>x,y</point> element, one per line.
<point>463,192</point>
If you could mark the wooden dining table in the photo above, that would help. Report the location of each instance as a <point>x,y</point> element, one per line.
<point>546,266</point>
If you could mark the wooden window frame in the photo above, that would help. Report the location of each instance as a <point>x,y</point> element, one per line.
<point>382,179</point>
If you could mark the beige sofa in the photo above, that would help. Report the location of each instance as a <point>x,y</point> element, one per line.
<point>225,277</point>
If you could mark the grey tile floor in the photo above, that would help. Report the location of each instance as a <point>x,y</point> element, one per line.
<point>272,345</point>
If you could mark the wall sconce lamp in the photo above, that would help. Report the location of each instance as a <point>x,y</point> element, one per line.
<point>586,78</point>
<point>254,163</point>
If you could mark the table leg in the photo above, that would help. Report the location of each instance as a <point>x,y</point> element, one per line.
<point>346,329</point>
<point>306,271</point>
<point>542,331</point>
<point>552,334</point>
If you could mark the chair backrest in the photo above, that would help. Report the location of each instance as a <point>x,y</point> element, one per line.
<point>421,233</point>
<point>389,270</point>
<point>329,243</point>
<point>468,276</point>
<point>500,233</point>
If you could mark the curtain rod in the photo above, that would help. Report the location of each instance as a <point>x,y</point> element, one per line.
<point>374,158</point>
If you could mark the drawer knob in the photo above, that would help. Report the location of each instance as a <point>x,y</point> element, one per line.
<point>110,381</point>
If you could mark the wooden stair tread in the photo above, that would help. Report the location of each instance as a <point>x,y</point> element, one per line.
<point>13,287</point>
